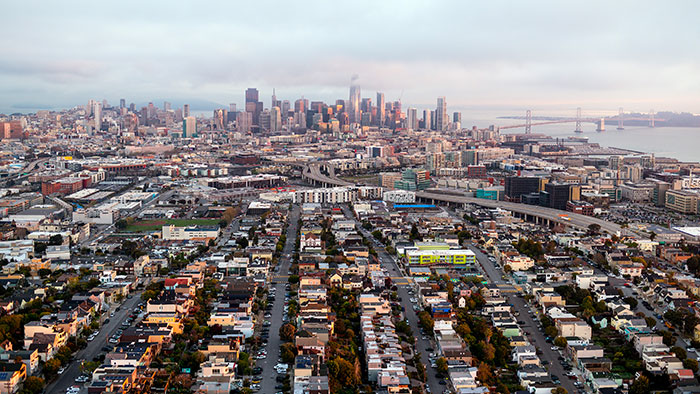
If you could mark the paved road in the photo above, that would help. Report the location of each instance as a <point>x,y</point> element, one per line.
<point>629,292</point>
<point>273,345</point>
<point>389,264</point>
<point>530,327</point>
<point>94,347</point>
<point>313,173</point>
<point>228,231</point>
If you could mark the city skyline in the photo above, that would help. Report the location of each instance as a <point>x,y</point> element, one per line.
<point>542,54</point>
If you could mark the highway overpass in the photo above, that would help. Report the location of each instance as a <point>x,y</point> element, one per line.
<point>543,215</point>
<point>529,212</point>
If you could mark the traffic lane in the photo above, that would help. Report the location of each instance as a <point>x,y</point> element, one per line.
<point>486,265</point>
<point>555,367</point>
<point>530,325</point>
<point>629,292</point>
<point>274,342</point>
<point>93,348</point>
<point>421,344</point>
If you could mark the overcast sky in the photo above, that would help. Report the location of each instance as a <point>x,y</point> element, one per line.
<point>544,55</point>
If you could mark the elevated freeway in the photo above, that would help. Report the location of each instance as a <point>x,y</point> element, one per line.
<point>529,212</point>
<point>544,215</point>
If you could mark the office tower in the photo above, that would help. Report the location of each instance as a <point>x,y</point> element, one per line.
<point>300,119</point>
<point>151,112</point>
<point>457,117</point>
<point>189,127</point>
<point>517,186</point>
<point>274,99</point>
<point>251,95</point>
<point>264,119</point>
<point>244,121</point>
<point>122,103</point>
<point>232,107</point>
<point>557,194</point>
<point>354,107</point>
<point>253,105</point>
<point>275,119</point>
<point>97,114</point>
<point>231,116</point>
<point>381,109</point>
<point>219,119</point>
<point>441,115</point>
<point>185,110</point>
<point>132,107</point>
<point>615,162</point>
<point>427,119</point>
<point>166,106</point>
<point>412,119</point>
<point>366,106</point>
<point>286,106</point>
<point>301,105</point>
<point>468,157</point>
<point>366,119</point>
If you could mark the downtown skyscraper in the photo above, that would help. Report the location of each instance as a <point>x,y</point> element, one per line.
<point>355,98</point>
<point>441,119</point>
<point>381,109</point>
<point>412,119</point>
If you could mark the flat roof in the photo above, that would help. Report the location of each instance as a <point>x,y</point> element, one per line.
<point>692,231</point>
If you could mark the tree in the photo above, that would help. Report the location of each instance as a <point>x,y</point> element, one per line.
<point>484,374</point>
<point>51,367</point>
<point>560,341</point>
<point>345,373</point>
<point>287,332</point>
<point>242,242</point>
<point>243,363</point>
<point>551,331</point>
<point>668,338</point>
<point>33,385</point>
<point>679,352</point>
<point>651,322</point>
<point>593,228</point>
<point>120,224</point>
<point>632,302</point>
<point>690,363</point>
<point>56,239</point>
<point>415,234</point>
<point>507,269</point>
<point>441,366</point>
<point>288,352</point>
<point>559,390</point>
<point>426,321</point>
<point>640,386</point>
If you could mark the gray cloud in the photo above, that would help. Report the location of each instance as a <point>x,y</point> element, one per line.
<point>539,54</point>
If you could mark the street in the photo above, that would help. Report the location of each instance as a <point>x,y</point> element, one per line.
<point>273,345</point>
<point>93,349</point>
<point>390,265</point>
<point>630,292</point>
<point>530,327</point>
